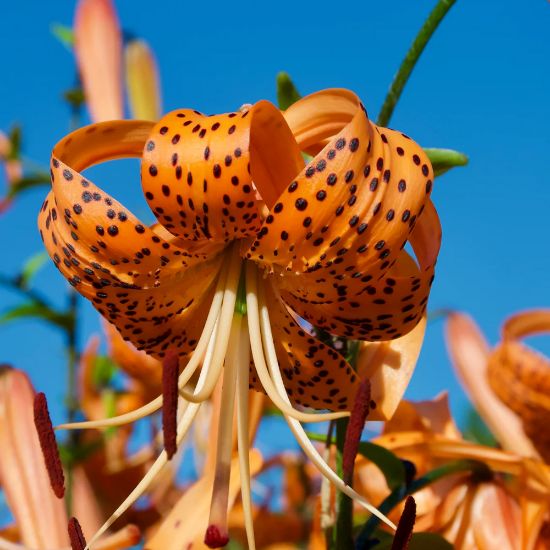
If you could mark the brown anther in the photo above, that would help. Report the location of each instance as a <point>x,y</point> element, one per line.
<point>170,372</point>
<point>405,526</point>
<point>76,536</point>
<point>48,444</point>
<point>214,538</point>
<point>361,407</point>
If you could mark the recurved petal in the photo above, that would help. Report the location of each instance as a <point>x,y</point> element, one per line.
<point>142,81</point>
<point>198,170</point>
<point>150,287</point>
<point>470,354</point>
<point>98,49</point>
<point>40,516</point>
<point>389,367</point>
<point>379,304</point>
<point>314,374</point>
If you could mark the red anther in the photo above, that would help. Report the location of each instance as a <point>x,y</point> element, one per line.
<point>170,372</point>
<point>76,536</point>
<point>48,444</point>
<point>405,526</point>
<point>361,407</point>
<point>215,538</point>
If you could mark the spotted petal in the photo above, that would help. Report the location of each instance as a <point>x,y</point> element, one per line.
<point>155,289</point>
<point>335,237</point>
<point>197,170</point>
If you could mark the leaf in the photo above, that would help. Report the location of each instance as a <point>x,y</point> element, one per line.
<point>31,268</point>
<point>444,159</point>
<point>64,34</point>
<point>389,464</point>
<point>287,94</point>
<point>15,143</point>
<point>476,430</point>
<point>38,311</point>
<point>74,97</point>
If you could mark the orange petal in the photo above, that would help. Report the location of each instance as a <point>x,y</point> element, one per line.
<point>526,323</point>
<point>39,515</point>
<point>128,271</point>
<point>314,374</point>
<point>469,353</point>
<point>186,523</point>
<point>142,81</point>
<point>98,49</point>
<point>389,367</point>
<point>197,170</point>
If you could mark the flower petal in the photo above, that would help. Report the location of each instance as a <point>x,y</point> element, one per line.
<point>314,374</point>
<point>40,516</point>
<point>142,81</point>
<point>154,290</point>
<point>389,367</point>
<point>197,170</point>
<point>98,49</point>
<point>469,353</point>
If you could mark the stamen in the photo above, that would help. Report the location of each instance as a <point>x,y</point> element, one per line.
<point>183,427</point>
<point>405,526</point>
<point>224,330</point>
<point>48,444</point>
<point>170,367</point>
<point>76,536</point>
<point>356,424</point>
<point>217,523</point>
<point>295,426</point>
<point>243,437</point>
<point>260,361</point>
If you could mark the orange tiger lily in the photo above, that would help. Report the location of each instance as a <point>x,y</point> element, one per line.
<point>324,242</point>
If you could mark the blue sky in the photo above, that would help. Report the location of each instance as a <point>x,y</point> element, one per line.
<point>481,87</point>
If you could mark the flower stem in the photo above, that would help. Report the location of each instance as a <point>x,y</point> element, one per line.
<point>344,522</point>
<point>409,62</point>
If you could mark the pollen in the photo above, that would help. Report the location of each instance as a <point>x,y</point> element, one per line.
<point>405,526</point>
<point>76,536</point>
<point>170,403</point>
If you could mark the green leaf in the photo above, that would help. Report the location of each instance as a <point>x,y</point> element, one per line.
<point>388,463</point>
<point>444,159</point>
<point>104,370</point>
<point>421,541</point>
<point>74,97</point>
<point>64,34</point>
<point>38,311</point>
<point>476,430</point>
<point>287,93</point>
<point>31,267</point>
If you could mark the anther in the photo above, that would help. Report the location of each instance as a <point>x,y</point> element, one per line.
<point>214,538</point>
<point>356,424</point>
<point>76,536</point>
<point>48,444</point>
<point>170,372</point>
<point>405,526</point>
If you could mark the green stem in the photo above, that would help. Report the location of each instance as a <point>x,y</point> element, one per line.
<point>343,530</point>
<point>409,62</point>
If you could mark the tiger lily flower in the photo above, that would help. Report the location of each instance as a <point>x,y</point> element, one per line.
<point>249,240</point>
<point>506,509</point>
